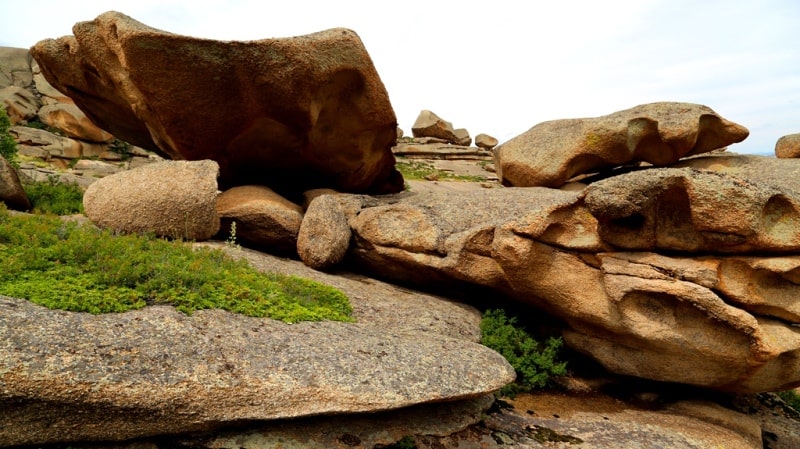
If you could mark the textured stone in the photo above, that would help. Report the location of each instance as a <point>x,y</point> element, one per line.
<point>690,210</point>
<point>158,371</point>
<point>11,191</point>
<point>324,236</point>
<point>263,218</point>
<point>15,67</point>
<point>39,139</point>
<point>174,199</point>
<point>20,104</point>
<point>295,113</point>
<point>551,153</point>
<point>788,146</point>
<point>429,124</point>
<point>70,120</point>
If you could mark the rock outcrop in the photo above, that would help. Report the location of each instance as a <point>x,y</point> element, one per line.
<point>289,113</point>
<point>175,199</point>
<point>71,121</point>
<point>20,104</point>
<point>553,152</point>
<point>663,274</point>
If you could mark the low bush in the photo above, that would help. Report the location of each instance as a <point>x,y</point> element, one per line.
<point>54,197</point>
<point>8,146</point>
<point>791,398</point>
<point>535,362</point>
<point>67,266</point>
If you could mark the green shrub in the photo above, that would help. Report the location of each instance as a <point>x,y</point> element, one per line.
<point>55,197</point>
<point>791,398</point>
<point>80,268</point>
<point>8,146</point>
<point>535,362</point>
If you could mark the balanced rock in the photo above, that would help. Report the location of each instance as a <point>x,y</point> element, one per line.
<point>70,120</point>
<point>158,371</point>
<point>551,153</point>
<point>11,191</point>
<point>175,199</point>
<point>291,112</point>
<point>429,124</point>
<point>788,146</point>
<point>485,141</point>
<point>324,236</point>
<point>262,218</point>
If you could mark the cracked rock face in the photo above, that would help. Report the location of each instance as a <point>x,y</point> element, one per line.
<point>551,153</point>
<point>682,274</point>
<point>294,112</point>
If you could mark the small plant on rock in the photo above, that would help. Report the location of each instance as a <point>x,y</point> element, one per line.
<point>534,361</point>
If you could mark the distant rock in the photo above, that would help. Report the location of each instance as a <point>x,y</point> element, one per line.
<point>174,199</point>
<point>11,191</point>
<point>485,141</point>
<point>16,67</point>
<point>551,153</point>
<point>263,218</point>
<point>788,146</point>
<point>158,371</point>
<point>429,124</point>
<point>20,104</point>
<point>291,113</point>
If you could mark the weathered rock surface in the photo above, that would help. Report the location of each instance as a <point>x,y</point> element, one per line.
<point>20,104</point>
<point>429,124</point>
<point>551,153</point>
<point>788,146</point>
<point>70,120</point>
<point>295,112</point>
<point>324,236</point>
<point>689,210</point>
<point>174,199</point>
<point>16,68</point>
<point>158,371</point>
<point>263,218</point>
<point>722,322</point>
<point>11,191</point>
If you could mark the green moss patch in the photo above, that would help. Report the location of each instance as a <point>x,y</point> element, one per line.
<point>62,265</point>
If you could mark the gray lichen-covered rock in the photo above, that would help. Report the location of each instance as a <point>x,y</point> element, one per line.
<point>174,199</point>
<point>551,153</point>
<point>158,371</point>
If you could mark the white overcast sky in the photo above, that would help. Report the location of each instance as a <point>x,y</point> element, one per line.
<point>502,66</point>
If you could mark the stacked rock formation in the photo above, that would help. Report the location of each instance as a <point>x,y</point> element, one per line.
<point>683,274</point>
<point>300,112</point>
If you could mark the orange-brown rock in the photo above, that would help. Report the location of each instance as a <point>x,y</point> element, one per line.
<point>288,113</point>
<point>788,146</point>
<point>551,153</point>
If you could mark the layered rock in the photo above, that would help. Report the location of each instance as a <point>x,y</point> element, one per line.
<point>292,112</point>
<point>725,320</point>
<point>158,371</point>
<point>20,104</point>
<point>70,120</point>
<point>175,199</point>
<point>551,153</point>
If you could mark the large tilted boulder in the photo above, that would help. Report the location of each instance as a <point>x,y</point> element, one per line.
<point>175,199</point>
<point>551,153</point>
<point>429,124</point>
<point>289,112</point>
<point>11,191</point>
<point>713,310</point>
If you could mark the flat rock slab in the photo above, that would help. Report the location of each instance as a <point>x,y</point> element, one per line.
<point>69,376</point>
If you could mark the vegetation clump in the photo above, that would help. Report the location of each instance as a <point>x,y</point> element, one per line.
<point>535,362</point>
<point>423,170</point>
<point>54,197</point>
<point>8,147</point>
<point>63,265</point>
